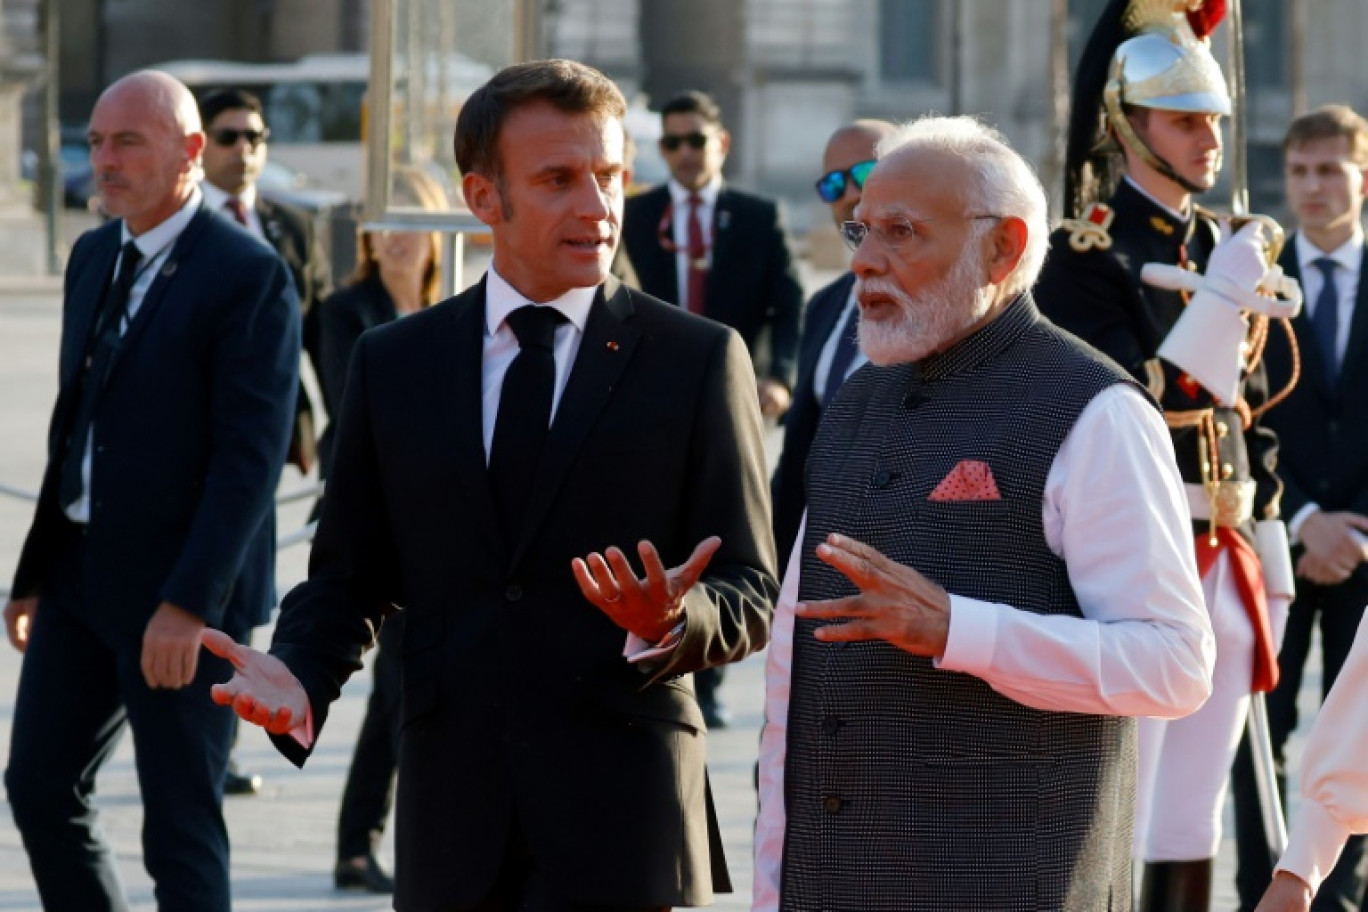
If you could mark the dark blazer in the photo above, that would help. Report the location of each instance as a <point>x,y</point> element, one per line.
<point>753,283</point>
<point>1323,430</point>
<point>787,488</point>
<point>291,232</point>
<point>518,704</point>
<point>342,318</point>
<point>190,432</point>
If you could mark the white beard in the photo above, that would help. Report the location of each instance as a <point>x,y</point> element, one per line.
<point>927,322</point>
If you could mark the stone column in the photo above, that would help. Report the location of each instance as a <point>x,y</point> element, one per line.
<point>22,233</point>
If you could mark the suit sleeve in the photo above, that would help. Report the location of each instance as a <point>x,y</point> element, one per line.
<point>254,363</point>
<point>327,622</point>
<point>728,611</point>
<point>785,304</point>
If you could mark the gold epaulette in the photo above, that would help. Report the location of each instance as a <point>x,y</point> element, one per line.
<point>1090,232</point>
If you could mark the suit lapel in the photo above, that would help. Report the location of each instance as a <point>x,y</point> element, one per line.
<point>156,293</point>
<point>1313,362</point>
<point>85,299</point>
<point>665,262</point>
<point>272,225</point>
<point>604,353</point>
<point>1358,331</point>
<point>724,248</point>
<point>460,378</point>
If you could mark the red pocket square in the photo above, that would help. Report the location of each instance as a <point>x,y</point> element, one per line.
<point>970,480</point>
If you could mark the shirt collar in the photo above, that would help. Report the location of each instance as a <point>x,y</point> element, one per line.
<point>155,240</point>
<point>1347,255</point>
<point>216,199</point>
<point>1181,217</point>
<point>707,193</point>
<point>501,299</point>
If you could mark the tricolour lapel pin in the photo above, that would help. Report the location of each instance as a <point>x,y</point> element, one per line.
<point>612,345</point>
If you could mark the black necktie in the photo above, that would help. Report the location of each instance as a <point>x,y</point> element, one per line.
<point>99,356</point>
<point>1325,321</point>
<point>846,346</point>
<point>524,414</point>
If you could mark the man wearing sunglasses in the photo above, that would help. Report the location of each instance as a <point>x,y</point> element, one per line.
<point>829,351</point>
<point>234,154</point>
<point>722,253</point>
<point>716,250</point>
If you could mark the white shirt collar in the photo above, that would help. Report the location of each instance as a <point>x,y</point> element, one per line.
<point>501,299</point>
<point>216,199</point>
<point>707,193</point>
<point>155,240</point>
<point>1348,255</point>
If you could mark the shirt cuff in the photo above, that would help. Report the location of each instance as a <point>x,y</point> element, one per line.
<point>972,639</point>
<point>639,650</point>
<point>304,732</point>
<point>1298,519</point>
<point>1317,838</point>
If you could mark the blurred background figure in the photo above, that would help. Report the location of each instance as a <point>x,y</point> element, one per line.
<point>829,351</point>
<point>722,253</point>
<point>1322,432</point>
<point>234,156</point>
<point>397,273</point>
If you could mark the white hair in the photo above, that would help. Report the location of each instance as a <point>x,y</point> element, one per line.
<point>1004,183</point>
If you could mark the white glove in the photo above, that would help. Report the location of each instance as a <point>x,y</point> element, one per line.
<point>1239,258</point>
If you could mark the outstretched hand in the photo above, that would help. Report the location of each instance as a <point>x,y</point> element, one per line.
<point>1287,893</point>
<point>647,607</point>
<point>895,603</point>
<point>263,691</point>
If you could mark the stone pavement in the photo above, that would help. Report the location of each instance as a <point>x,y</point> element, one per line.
<point>282,839</point>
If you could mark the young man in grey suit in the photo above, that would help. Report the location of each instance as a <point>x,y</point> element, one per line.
<point>179,365</point>
<point>493,453</point>
<point>1323,455</point>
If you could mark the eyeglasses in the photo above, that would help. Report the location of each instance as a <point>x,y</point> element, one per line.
<point>671,142</point>
<point>893,232</point>
<point>228,137</point>
<point>832,185</point>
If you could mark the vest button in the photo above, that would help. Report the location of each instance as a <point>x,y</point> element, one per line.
<point>832,805</point>
<point>513,593</point>
<point>882,478</point>
<point>831,725</point>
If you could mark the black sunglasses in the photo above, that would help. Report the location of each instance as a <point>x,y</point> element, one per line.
<point>832,185</point>
<point>671,142</point>
<point>228,137</point>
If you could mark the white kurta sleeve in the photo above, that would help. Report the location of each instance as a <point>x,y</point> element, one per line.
<point>769,826</point>
<point>1116,513</point>
<point>1334,778</point>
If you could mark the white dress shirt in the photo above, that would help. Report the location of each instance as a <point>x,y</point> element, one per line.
<point>217,200</point>
<point>1348,259</point>
<point>501,345</point>
<point>155,246</point>
<point>819,374</point>
<point>1334,777</point>
<point>1114,511</point>
<point>679,206</point>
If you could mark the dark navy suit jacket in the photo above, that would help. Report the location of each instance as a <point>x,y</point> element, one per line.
<point>189,434</point>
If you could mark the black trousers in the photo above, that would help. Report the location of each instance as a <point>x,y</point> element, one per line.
<point>1337,611</point>
<point>522,887</point>
<point>369,792</point>
<point>80,687</point>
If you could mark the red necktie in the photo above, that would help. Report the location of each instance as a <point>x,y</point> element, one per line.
<point>239,210</point>
<point>698,259</point>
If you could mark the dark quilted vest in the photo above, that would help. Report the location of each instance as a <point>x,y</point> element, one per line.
<point>912,788</point>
